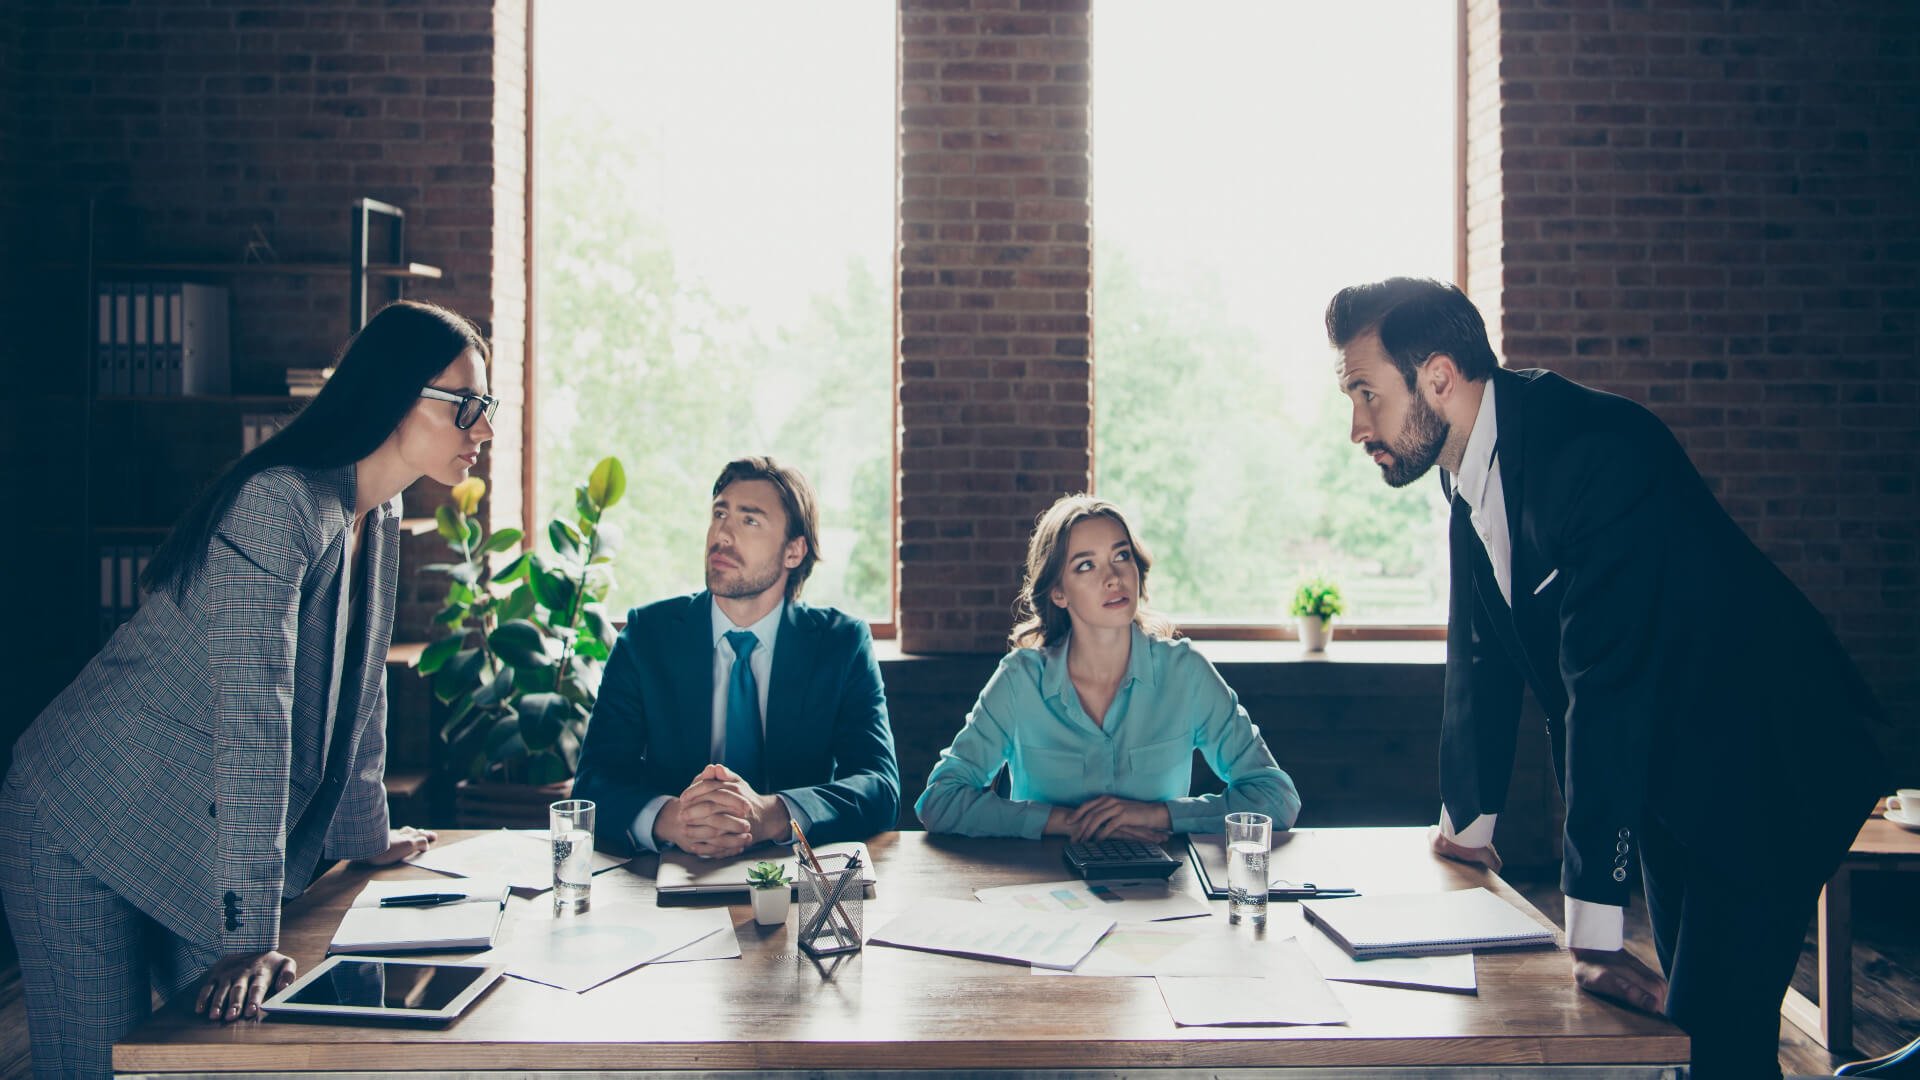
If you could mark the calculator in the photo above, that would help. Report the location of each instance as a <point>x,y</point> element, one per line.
<point>1118,859</point>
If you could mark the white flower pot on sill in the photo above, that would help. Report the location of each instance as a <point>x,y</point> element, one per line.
<point>770,905</point>
<point>1315,630</point>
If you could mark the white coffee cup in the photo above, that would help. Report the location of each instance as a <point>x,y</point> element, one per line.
<point>1905,803</point>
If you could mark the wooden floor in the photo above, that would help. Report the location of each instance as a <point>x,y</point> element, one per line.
<point>1886,976</point>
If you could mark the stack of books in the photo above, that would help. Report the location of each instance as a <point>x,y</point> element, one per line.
<point>306,382</point>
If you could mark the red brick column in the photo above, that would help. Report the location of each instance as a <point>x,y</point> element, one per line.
<point>995,295</point>
<point>1715,213</point>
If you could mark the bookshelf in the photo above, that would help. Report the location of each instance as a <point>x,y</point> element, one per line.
<point>143,456</point>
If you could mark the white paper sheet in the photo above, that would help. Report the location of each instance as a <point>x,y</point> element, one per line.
<point>1186,948</point>
<point>521,857</point>
<point>1294,994</point>
<point>719,945</point>
<point>1449,973</point>
<point>1043,938</point>
<point>1123,901</point>
<point>579,952</point>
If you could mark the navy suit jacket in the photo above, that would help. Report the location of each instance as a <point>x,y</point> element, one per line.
<point>1678,668</point>
<point>828,745</point>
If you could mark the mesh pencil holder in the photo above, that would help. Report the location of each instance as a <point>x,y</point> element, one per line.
<point>830,905</point>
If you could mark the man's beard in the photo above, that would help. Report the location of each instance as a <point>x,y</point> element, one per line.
<point>743,583</point>
<point>1417,448</point>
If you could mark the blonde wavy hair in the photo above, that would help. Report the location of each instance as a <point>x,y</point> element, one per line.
<point>1037,620</point>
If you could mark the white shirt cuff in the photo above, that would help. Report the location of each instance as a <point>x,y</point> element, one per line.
<point>794,813</point>
<point>1601,927</point>
<point>1478,834</point>
<point>642,835</point>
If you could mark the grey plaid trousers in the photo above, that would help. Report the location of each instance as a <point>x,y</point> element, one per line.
<point>90,961</point>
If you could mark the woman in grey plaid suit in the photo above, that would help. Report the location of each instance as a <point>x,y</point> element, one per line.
<point>233,734</point>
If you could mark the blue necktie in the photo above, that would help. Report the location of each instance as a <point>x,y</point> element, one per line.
<point>743,711</point>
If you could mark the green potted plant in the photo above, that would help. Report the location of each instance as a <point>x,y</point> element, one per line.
<point>1315,603</point>
<point>519,667</point>
<point>770,897</point>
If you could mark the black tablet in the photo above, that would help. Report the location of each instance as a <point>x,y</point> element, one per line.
<point>384,989</point>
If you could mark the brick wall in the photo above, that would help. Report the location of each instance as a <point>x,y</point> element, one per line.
<point>1716,211</point>
<point>197,125</point>
<point>996,394</point>
<point>1710,211</point>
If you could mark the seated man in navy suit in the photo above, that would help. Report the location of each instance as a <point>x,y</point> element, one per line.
<point>726,713</point>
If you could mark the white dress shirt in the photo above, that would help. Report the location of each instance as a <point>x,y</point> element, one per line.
<point>1589,925</point>
<point>760,662</point>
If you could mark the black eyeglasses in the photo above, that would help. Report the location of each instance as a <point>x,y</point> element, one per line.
<point>472,406</point>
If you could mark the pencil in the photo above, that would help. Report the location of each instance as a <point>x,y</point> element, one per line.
<point>806,851</point>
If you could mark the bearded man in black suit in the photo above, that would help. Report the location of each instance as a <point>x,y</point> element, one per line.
<point>1686,682</point>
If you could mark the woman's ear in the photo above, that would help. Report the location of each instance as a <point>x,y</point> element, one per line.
<point>1059,597</point>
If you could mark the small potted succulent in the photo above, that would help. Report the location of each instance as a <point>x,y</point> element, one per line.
<point>770,896</point>
<point>1315,603</point>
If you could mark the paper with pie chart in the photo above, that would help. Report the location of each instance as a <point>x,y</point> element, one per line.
<point>579,952</point>
<point>1122,901</point>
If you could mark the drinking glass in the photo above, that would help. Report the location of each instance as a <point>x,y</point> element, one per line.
<point>570,824</point>
<point>1249,836</point>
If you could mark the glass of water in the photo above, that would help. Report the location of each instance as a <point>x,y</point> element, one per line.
<point>1249,836</point>
<point>570,824</point>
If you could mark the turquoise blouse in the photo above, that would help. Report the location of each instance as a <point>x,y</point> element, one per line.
<point>1170,703</point>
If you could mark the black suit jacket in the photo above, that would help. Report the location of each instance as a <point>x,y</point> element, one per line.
<point>828,745</point>
<point>1681,673</point>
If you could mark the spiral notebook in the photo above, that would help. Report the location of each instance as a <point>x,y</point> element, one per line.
<point>1426,924</point>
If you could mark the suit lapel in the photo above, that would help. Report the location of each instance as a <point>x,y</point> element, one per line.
<point>1511,456</point>
<point>690,674</point>
<point>382,563</point>
<point>793,657</point>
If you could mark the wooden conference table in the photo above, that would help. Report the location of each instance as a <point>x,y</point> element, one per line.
<point>886,1010</point>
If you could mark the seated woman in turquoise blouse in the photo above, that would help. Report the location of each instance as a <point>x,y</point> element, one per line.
<point>1097,711</point>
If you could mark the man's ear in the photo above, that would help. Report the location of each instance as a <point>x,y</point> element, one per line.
<point>796,552</point>
<point>1440,375</point>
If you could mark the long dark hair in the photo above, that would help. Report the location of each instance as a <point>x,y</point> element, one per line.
<point>376,380</point>
<point>1038,621</point>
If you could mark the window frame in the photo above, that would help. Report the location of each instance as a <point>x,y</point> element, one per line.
<point>1436,631</point>
<point>886,629</point>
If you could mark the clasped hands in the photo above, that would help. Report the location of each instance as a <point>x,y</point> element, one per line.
<point>720,815</point>
<point>1614,974</point>
<point>1110,817</point>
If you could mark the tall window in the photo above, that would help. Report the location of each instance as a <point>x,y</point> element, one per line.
<point>714,252</point>
<point>1252,158</point>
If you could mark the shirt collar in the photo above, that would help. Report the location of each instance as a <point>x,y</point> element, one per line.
<point>1477,462</point>
<point>765,629</point>
<point>1053,673</point>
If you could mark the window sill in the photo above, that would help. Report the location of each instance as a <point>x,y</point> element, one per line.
<point>1219,652</point>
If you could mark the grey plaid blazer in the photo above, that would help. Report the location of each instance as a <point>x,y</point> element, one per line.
<point>179,763</point>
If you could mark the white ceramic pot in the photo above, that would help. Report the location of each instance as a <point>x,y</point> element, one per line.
<point>770,905</point>
<point>1314,632</point>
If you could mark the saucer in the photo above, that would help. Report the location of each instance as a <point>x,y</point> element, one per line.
<point>1904,820</point>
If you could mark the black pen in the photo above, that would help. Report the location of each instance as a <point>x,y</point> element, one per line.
<point>1309,891</point>
<point>422,899</point>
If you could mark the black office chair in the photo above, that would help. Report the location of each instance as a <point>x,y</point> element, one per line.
<point>1904,1062</point>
